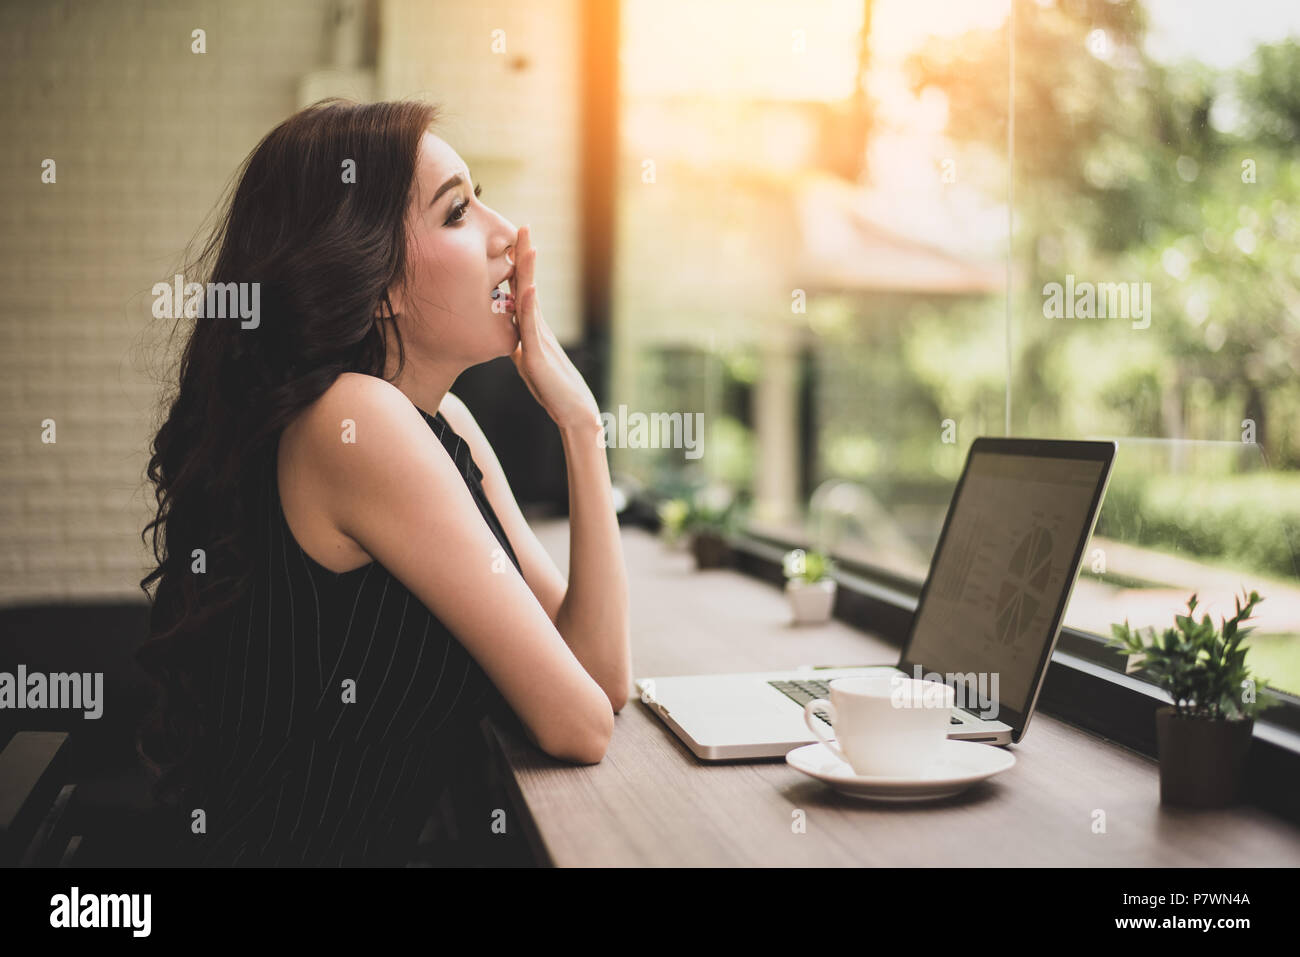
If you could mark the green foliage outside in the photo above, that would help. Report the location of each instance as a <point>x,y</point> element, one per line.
<point>1249,523</point>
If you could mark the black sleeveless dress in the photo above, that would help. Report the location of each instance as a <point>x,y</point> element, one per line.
<point>347,715</point>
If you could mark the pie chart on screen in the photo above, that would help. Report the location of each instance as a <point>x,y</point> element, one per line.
<point>1022,591</point>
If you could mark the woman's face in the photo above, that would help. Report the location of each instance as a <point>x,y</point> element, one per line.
<point>455,256</point>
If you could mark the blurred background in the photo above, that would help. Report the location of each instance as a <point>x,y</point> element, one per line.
<point>824,225</point>
<point>845,256</point>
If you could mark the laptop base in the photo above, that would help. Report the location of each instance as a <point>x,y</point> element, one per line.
<point>743,717</point>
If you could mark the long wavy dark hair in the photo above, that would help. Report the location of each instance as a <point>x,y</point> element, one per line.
<point>325,239</point>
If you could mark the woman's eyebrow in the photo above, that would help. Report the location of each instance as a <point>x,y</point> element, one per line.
<point>454,181</point>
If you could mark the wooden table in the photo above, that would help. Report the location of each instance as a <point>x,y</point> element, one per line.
<point>650,802</point>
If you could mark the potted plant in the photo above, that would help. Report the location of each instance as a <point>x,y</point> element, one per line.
<point>673,514</point>
<point>711,517</point>
<point>1204,737</point>
<point>809,585</point>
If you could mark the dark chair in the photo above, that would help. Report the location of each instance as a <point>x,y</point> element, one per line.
<point>72,790</point>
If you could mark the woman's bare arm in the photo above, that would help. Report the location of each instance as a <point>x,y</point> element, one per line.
<point>540,571</point>
<point>590,610</point>
<point>594,614</point>
<point>398,494</point>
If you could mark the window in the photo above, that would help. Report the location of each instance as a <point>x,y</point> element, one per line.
<point>835,247</point>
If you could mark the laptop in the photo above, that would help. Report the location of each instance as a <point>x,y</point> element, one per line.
<point>986,622</point>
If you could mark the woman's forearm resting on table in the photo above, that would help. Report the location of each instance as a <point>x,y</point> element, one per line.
<point>593,618</point>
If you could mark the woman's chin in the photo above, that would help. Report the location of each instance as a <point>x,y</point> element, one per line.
<point>509,335</point>
<point>504,320</point>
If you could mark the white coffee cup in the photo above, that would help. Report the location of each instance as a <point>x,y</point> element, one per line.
<point>885,725</point>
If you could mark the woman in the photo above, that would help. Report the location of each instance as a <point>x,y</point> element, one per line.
<point>345,583</point>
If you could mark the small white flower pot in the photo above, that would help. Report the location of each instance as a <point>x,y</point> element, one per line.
<point>811,602</point>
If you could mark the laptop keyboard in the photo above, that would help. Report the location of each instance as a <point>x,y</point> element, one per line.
<point>801,692</point>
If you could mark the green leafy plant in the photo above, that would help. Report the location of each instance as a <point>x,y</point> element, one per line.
<point>1201,667</point>
<point>703,519</point>
<point>673,514</point>
<point>712,510</point>
<point>811,566</point>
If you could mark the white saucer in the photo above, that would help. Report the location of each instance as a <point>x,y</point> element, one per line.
<point>959,765</point>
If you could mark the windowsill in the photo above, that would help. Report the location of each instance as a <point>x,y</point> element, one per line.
<point>1079,687</point>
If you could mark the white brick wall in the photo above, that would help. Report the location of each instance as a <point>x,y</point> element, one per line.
<point>146,135</point>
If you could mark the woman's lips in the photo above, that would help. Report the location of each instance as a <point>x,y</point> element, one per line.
<point>502,301</point>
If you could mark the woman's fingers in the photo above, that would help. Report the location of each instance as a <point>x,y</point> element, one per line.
<point>518,280</point>
<point>524,254</point>
<point>538,347</point>
<point>527,313</point>
<point>529,319</point>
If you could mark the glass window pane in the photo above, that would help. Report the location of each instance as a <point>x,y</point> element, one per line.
<point>850,246</point>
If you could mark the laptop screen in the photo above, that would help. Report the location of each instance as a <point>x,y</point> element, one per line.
<point>1005,561</point>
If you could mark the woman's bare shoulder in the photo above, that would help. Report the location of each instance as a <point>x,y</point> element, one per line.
<point>311,455</point>
<point>337,412</point>
<point>359,424</point>
<point>368,391</point>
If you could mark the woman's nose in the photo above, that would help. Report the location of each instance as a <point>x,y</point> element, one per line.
<point>507,240</point>
<point>505,237</point>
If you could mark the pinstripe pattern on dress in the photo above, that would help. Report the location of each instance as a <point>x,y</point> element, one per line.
<point>309,779</point>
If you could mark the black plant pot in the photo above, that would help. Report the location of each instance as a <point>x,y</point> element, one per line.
<point>709,549</point>
<point>1202,762</point>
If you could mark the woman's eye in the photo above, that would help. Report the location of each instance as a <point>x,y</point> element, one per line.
<point>458,211</point>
